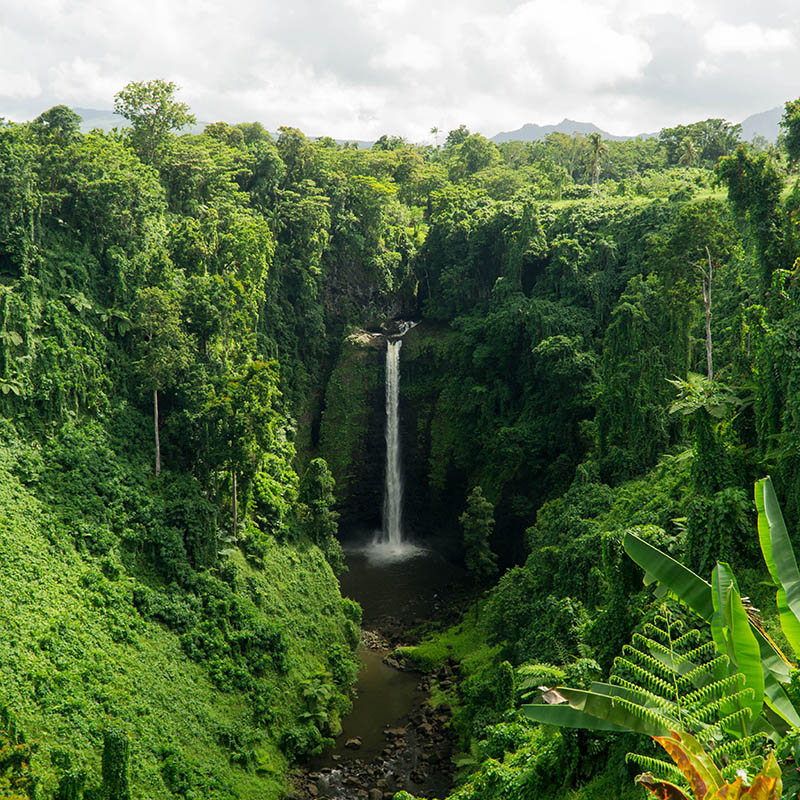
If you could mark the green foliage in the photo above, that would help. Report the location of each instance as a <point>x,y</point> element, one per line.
<point>153,111</point>
<point>317,517</point>
<point>116,748</point>
<point>17,781</point>
<point>477,522</point>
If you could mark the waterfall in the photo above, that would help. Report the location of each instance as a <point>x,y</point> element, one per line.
<point>392,533</point>
<point>391,543</point>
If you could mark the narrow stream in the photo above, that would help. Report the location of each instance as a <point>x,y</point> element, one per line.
<point>391,739</point>
<point>402,742</point>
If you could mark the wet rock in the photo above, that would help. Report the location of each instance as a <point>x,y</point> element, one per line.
<point>354,743</point>
<point>375,794</point>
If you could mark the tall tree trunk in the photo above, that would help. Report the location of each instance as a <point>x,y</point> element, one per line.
<point>235,507</point>
<point>707,303</point>
<point>155,430</point>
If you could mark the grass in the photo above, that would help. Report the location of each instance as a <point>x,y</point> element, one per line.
<point>76,657</point>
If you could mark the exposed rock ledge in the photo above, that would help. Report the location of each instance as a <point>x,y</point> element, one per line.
<point>360,336</point>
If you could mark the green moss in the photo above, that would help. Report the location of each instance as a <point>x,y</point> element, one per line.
<point>464,643</point>
<point>76,657</point>
<point>354,382</point>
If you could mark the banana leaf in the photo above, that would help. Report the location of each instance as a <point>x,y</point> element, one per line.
<point>696,765</point>
<point>733,634</point>
<point>687,585</point>
<point>695,592</point>
<point>780,559</point>
<point>565,716</point>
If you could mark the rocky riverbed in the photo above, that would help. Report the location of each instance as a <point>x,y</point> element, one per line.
<point>416,755</point>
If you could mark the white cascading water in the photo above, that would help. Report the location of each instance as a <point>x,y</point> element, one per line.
<point>390,543</point>
<point>392,533</point>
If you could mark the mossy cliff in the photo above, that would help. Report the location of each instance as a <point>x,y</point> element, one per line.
<point>432,481</point>
<point>352,428</point>
<point>352,432</point>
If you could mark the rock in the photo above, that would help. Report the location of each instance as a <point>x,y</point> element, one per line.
<point>312,790</point>
<point>392,662</point>
<point>354,743</point>
<point>395,733</point>
<point>375,794</point>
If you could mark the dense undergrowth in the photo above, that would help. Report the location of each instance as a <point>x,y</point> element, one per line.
<point>172,313</point>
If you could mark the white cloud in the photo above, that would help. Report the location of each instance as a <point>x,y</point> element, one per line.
<point>747,39</point>
<point>19,84</point>
<point>359,68</point>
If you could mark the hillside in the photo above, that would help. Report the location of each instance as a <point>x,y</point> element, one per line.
<point>192,406</point>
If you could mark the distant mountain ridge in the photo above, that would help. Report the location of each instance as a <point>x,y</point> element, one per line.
<point>765,123</point>
<point>538,133</point>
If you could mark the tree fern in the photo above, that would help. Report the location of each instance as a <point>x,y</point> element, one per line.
<point>670,677</point>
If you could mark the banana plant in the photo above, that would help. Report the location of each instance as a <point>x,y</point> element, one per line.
<point>704,779</point>
<point>745,651</point>
<point>745,642</point>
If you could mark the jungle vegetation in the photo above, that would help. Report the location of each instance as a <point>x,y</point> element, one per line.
<point>609,344</point>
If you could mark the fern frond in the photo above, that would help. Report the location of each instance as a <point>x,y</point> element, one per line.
<point>686,639</point>
<point>703,651</point>
<point>647,678</point>
<point>724,687</point>
<point>645,696</point>
<point>632,655</point>
<point>737,748</point>
<point>739,717</point>
<point>663,770</point>
<point>706,669</point>
<point>647,714</point>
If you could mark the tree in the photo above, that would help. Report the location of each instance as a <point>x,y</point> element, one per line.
<point>477,523</point>
<point>790,123</point>
<point>164,347</point>
<point>244,418</point>
<point>688,154</point>
<point>754,191</point>
<point>153,112</point>
<point>598,150</point>
<point>317,517</point>
<point>456,136</point>
<point>60,121</point>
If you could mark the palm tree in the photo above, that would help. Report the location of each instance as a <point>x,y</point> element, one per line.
<point>435,133</point>
<point>598,150</point>
<point>688,156</point>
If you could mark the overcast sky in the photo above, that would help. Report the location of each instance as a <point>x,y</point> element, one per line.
<point>360,68</point>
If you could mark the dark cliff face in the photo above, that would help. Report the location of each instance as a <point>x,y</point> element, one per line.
<point>352,435</point>
<point>433,485</point>
<point>352,431</point>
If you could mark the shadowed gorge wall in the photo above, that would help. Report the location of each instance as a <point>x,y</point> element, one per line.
<point>352,429</point>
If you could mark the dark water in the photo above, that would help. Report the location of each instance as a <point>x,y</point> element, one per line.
<point>402,587</point>
<point>408,589</point>
<point>385,696</point>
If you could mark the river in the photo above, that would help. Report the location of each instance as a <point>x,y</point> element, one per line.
<point>403,743</point>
